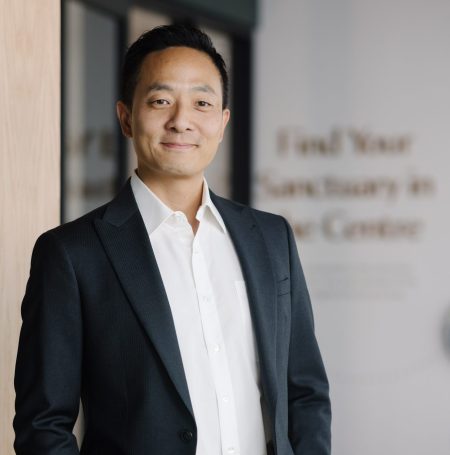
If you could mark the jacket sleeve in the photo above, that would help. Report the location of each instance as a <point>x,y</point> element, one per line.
<point>309,413</point>
<point>48,368</point>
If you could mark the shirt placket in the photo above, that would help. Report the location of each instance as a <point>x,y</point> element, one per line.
<point>212,332</point>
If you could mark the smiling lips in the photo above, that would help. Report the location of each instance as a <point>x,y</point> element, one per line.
<point>178,145</point>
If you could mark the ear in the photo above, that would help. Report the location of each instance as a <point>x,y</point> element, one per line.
<point>225,118</point>
<point>124,116</point>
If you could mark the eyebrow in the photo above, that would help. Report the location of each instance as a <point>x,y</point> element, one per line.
<point>157,87</point>
<point>204,88</point>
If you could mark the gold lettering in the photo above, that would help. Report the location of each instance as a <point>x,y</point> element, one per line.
<point>338,226</point>
<point>369,144</point>
<point>421,186</point>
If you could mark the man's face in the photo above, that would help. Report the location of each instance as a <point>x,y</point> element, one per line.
<point>176,121</point>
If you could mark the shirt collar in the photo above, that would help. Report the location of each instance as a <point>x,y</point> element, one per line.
<point>208,203</point>
<point>154,212</point>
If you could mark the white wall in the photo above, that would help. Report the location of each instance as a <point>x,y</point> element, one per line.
<point>352,115</point>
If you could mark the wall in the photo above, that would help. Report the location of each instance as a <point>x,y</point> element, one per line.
<point>29,164</point>
<point>352,111</point>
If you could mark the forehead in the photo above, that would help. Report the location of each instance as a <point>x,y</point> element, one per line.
<point>179,65</point>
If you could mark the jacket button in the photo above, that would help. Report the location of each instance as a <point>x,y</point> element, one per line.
<point>186,436</point>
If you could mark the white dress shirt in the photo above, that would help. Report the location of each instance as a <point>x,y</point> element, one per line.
<point>208,299</point>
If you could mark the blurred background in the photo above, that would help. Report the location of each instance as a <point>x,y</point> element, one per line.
<point>340,122</point>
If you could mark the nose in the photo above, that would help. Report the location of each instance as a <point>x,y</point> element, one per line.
<point>179,120</point>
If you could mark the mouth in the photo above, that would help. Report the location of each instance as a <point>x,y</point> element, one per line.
<point>178,145</point>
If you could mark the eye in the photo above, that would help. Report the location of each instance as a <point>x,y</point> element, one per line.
<point>159,102</point>
<point>203,104</point>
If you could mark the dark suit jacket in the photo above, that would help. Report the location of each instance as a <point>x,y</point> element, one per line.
<point>97,324</point>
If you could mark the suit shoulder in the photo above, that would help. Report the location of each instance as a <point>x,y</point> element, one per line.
<point>268,218</point>
<point>77,229</point>
<point>265,220</point>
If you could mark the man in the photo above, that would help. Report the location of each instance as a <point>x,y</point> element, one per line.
<point>181,319</point>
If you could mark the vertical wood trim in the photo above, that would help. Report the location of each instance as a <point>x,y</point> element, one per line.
<point>29,165</point>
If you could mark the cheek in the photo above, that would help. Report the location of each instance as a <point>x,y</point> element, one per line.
<point>146,129</point>
<point>212,130</point>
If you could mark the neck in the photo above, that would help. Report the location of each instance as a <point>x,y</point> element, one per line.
<point>182,194</point>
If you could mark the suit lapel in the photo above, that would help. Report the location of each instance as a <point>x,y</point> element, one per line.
<point>124,237</point>
<point>260,281</point>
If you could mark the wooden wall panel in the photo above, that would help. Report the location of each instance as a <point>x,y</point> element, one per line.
<point>29,164</point>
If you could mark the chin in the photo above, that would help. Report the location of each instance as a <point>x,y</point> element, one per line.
<point>182,173</point>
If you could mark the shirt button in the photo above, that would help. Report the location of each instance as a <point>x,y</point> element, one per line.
<point>216,348</point>
<point>231,450</point>
<point>225,399</point>
<point>186,435</point>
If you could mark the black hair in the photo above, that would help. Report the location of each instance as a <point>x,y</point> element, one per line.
<point>160,38</point>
